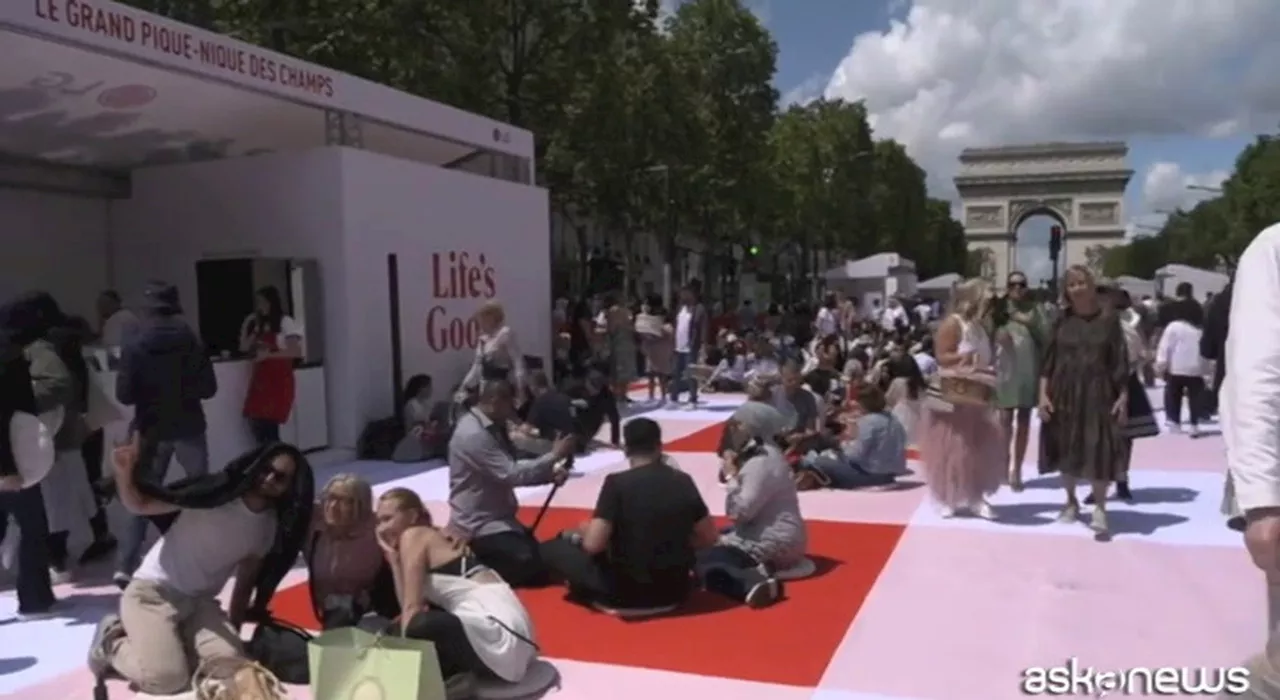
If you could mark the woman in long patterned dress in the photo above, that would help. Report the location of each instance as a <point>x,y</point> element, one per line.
<point>1084,398</point>
<point>962,446</point>
<point>1019,341</point>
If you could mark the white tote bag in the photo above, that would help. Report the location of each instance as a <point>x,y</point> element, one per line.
<point>32,440</point>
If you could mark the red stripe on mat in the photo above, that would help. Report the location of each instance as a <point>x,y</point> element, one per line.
<point>790,643</point>
<point>708,440</point>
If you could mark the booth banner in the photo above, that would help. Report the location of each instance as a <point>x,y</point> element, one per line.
<point>440,293</point>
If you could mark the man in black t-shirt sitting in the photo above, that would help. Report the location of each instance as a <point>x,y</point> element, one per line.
<point>637,551</point>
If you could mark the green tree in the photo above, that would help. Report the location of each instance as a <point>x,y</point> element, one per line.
<point>721,64</point>
<point>821,167</point>
<point>943,247</point>
<point>899,202</point>
<point>1140,257</point>
<point>1251,196</point>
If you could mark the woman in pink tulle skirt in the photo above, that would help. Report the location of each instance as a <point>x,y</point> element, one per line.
<point>962,446</point>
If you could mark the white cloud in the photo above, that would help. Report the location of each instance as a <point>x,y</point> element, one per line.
<point>959,73</point>
<point>1167,188</point>
<point>804,93</point>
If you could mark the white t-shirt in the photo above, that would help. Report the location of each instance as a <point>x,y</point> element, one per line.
<point>114,327</point>
<point>684,323</point>
<point>825,323</point>
<point>203,548</point>
<point>891,316</point>
<point>289,327</point>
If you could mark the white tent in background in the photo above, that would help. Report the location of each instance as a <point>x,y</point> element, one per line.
<point>874,279</point>
<point>1135,286</point>
<point>1202,281</point>
<point>939,287</point>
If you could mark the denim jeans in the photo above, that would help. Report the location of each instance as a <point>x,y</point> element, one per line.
<point>844,474</point>
<point>682,376</point>
<point>26,507</point>
<point>193,456</point>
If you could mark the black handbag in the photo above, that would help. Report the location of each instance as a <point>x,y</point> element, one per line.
<point>1141,422</point>
<point>282,649</point>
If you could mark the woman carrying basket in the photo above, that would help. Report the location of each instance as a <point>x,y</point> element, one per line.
<point>962,445</point>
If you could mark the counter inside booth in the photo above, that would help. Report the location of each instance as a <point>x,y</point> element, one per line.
<point>228,431</point>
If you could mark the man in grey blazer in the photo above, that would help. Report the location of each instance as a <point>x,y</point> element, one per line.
<point>690,334</point>
<point>483,475</point>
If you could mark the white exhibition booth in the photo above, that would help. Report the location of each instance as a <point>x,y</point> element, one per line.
<point>874,279</point>
<point>134,148</point>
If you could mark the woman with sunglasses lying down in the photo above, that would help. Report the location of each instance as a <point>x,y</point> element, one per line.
<point>477,624</point>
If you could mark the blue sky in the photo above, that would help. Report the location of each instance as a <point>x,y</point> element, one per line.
<point>1188,83</point>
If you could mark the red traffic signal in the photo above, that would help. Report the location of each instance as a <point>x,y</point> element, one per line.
<point>1055,240</point>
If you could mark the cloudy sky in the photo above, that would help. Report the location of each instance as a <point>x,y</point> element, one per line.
<point>1187,83</point>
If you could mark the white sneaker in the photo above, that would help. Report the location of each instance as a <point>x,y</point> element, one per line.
<point>1172,427</point>
<point>58,578</point>
<point>691,406</point>
<point>947,512</point>
<point>1194,432</point>
<point>985,511</point>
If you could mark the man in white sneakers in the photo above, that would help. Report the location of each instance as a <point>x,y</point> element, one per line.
<point>230,526</point>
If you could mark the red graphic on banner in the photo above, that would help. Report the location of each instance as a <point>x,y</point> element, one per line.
<point>457,276</point>
<point>180,42</point>
<point>124,97</point>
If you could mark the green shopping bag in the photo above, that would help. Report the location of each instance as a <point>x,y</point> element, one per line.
<point>351,664</point>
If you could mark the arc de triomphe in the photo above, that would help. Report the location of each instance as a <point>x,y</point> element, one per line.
<point>1079,184</point>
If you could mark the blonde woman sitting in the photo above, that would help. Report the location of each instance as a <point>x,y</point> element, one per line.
<point>347,574</point>
<point>447,597</point>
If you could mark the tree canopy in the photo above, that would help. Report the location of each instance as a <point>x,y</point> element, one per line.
<point>1214,232</point>
<point>643,123</point>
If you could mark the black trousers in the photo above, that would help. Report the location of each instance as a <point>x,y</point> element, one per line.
<point>94,451</point>
<point>26,507</point>
<point>453,649</point>
<point>590,580</point>
<point>382,601</point>
<point>515,556</point>
<point>1175,388</point>
<point>728,571</point>
<point>264,431</point>
<point>582,573</point>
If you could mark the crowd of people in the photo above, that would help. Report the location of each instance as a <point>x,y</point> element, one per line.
<point>833,398</point>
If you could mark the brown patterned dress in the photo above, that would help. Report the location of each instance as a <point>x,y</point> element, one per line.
<point>1087,366</point>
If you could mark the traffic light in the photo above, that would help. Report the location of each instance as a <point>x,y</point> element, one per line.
<point>1055,241</point>
<point>753,250</point>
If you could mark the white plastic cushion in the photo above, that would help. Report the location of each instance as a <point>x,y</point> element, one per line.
<point>32,440</point>
<point>804,569</point>
<point>540,678</point>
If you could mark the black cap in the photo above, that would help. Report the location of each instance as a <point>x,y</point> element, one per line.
<point>162,298</point>
<point>642,436</point>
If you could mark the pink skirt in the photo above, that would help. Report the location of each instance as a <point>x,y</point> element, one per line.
<point>964,454</point>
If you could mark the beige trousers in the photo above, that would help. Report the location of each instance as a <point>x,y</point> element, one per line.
<point>167,635</point>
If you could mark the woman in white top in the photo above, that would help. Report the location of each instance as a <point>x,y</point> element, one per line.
<point>1178,361</point>
<point>962,446</point>
<point>498,355</point>
<point>474,619</point>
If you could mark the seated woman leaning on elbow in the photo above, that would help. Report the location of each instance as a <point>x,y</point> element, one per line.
<point>447,597</point>
<point>768,533</point>
<point>348,575</point>
<point>875,453</point>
